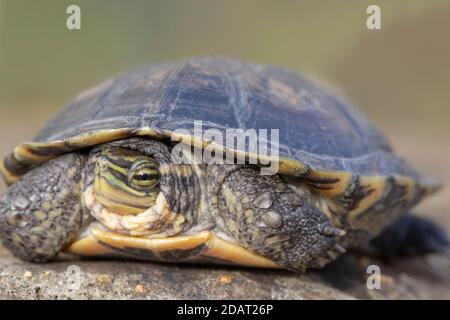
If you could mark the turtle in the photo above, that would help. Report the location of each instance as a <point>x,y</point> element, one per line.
<point>121,171</point>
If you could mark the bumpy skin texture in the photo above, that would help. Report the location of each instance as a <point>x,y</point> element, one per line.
<point>42,212</point>
<point>262,213</point>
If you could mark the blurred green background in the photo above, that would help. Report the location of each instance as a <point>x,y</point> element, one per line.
<point>399,75</point>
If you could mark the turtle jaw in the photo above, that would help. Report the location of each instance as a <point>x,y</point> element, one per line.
<point>157,221</point>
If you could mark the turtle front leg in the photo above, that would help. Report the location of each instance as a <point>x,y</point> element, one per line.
<point>264,215</point>
<point>42,212</point>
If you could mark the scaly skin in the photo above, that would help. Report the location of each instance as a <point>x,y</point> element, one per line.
<point>262,213</point>
<point>43,212</point>
<point>47,209</point>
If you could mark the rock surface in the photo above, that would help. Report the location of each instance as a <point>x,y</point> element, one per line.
<point>423,278</point>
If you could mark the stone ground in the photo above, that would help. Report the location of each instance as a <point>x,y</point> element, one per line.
<point>419,278</point>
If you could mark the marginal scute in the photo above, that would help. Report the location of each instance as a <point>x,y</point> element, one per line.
<point>388,198</point>
<point>377,186</point>
<point>328,183</point>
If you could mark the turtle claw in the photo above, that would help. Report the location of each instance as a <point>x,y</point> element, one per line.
<point>331,249</point>
<point>335,252</point>
<point>339,249</point>
<point>330,231</point>
<point>328,256</point>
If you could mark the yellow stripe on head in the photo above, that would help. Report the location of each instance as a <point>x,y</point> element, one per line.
<point>126,182</point>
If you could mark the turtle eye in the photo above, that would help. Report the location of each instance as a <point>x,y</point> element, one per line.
<point>143,174</point>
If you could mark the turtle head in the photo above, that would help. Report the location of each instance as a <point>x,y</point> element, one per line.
<point>126,182</point>
<point>133,188</point>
